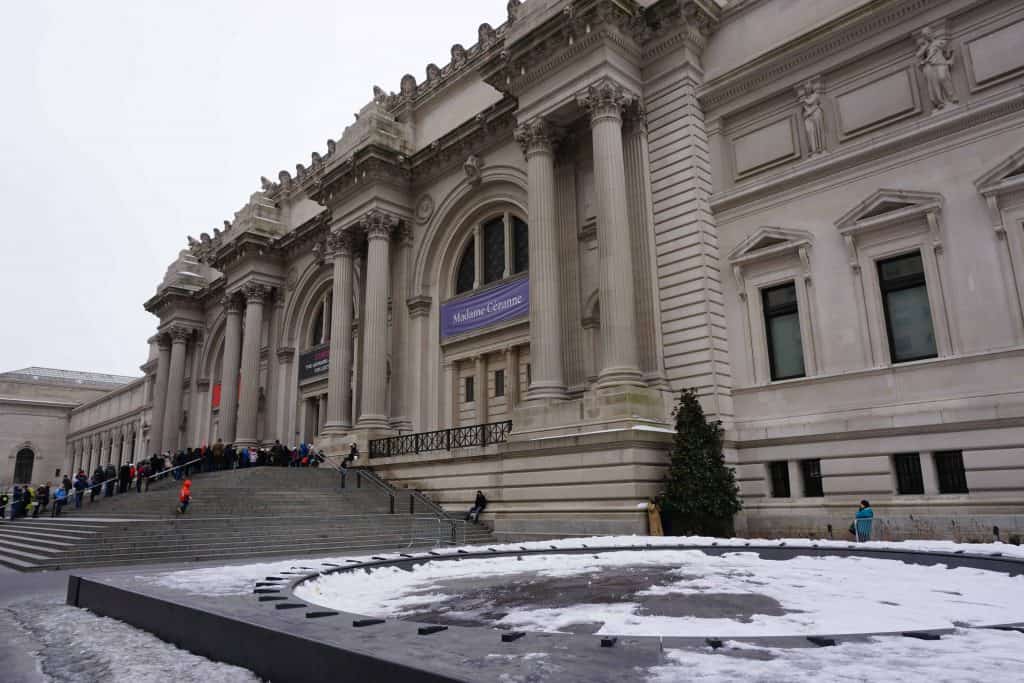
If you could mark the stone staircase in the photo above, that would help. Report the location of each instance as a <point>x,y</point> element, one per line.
<point>251,513</point>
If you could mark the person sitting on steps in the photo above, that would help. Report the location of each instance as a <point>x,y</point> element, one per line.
<point>478,506</point>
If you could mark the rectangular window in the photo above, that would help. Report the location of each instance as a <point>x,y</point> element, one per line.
<point>949,465</point>
<point>812,478</point>
<point>782,327</point>
<point>469,390</point>
<point>529,375</point>
<point>909,481</point>
<point>780,479</point>
<point>908,316</point>
<point>494,250</point>
<point>499,383</point>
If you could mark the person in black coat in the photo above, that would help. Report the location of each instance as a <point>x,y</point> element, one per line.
<point>110,479</point>
<point>478,506</point>
<point>124,477</point>
<point>97,483</point>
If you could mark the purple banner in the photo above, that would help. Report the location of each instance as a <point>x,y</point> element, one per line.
<point>495,305</point>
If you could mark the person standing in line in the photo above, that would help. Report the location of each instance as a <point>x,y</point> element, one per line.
<point>124,478</point>
<point>4,500</point>
<point>110,479</point>
<point>31,501</point>
<point>861,527</point>
<point>60,498</point>
<point>97,483</point>
<point>66,484</point>
<point>80,484</point>
<point>216,452</point>
<point>44,496</point>
<point>17,499</point>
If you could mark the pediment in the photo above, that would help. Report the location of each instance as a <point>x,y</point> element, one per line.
<point>888,206</point>
<point>1006,177</point>
<point>767,242</point>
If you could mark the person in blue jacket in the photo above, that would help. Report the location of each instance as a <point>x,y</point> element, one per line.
<point>865,518</point>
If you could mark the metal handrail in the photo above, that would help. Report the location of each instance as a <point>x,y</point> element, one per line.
<point>441,440</point>
<point>391,490</point>
<point>163,473</point>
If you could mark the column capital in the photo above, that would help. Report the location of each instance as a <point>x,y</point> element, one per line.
<point>286,354</point>
<point>232,304</point>
<point>378,224</point>
<point>162,341</point>
<point>339,243</point>
<point>419,306</point>
<point>605,99</point>
<point>179,334</point>
<point>635,119</point>
<point>536,136</point>
<point>255,292</point>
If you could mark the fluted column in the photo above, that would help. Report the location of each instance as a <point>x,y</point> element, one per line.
<point>163,368</point>
<point>339,378</point>
<point>401,352</point>
<point>249,395</point>
<point>378,226</point>
<point>229,368</point>
<point>175,380</point>
<point>548,378</point>
<point>94,456</point>
<point>481,389</point>
<point>605,102</point>
<point>125,445</point>
<point>511,377</point>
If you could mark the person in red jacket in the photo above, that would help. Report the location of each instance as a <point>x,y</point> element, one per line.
<point>185,497</point>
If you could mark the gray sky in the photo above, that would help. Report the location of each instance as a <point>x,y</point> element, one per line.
<point>127,125</point>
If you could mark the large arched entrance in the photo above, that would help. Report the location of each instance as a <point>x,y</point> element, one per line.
<point>23,464</point>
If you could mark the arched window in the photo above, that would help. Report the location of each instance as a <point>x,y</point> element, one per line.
<point>505,252</point>
<point>23,466</point>
<point>467,269</point>
<point>320,331</point>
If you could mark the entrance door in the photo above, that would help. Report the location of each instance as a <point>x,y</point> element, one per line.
<point>23,463</point>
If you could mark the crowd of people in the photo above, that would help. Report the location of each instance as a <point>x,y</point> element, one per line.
<point>30,501</point>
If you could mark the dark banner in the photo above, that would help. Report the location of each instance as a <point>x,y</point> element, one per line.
<point>315,362</point>
<point>497,304</point>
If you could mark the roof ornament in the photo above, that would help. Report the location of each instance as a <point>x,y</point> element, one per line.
<point>458,55</point>
<point>514,7</point>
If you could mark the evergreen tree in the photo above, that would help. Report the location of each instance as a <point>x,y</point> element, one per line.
<point>701,496</point>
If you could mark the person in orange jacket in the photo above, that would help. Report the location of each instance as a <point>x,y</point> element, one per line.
<point>185,497</point>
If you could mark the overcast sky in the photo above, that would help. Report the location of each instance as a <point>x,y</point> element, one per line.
<point>127,125</point>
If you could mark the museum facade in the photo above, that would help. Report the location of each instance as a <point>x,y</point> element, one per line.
<point>501,276</point>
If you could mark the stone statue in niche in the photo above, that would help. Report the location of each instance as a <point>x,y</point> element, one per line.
<point>935,58</point>
<point>814,116</point>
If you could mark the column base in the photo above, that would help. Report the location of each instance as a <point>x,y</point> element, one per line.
<point>336,444</point>
<point>544,391</point>
<point>622,376</point>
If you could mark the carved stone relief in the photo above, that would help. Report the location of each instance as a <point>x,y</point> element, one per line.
<point>935,59</point>
<point>813,115</point>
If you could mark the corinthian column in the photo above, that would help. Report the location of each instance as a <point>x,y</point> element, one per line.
<point>229,368</point>
<point>160,392</point>
<point>339,378</point>
<point>548,379</point>
<point>249,395</point>
<point>605,102</point>
<point>175,379</point>
<point>378,226</point>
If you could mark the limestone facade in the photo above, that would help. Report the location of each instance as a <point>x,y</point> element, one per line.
<point>811,212</point>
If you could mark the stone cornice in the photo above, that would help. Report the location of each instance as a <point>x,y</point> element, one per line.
<point>488,128</point>
<point>583,26</point>
<point>936,127</point>
<point>777,64</point>
<point>304,237</point>
<point>369,165</point>
<point>169,298</point>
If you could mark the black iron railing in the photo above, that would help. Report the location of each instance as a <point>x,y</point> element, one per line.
<point>443,440</point>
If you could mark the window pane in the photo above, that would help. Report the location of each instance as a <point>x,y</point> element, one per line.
<point>467,269</point>
<point>469,390</point>
<point>521,246</point>
<point>909,319</point>
<point>812,478</point>
<point>780,479</point>
<point>494,250</point>
<point>787,353</point>
<point>895,269</point>
<point>782,327</point>
<point>909,481</point>
<point>950,467</point>
<point>499,383</point>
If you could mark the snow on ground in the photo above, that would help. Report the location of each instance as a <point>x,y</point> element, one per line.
<point>75,645</point>
<point>968,655</point>
<point>238,579</point>
<point>817,594</point>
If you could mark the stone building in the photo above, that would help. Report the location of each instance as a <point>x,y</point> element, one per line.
<point>38,411</point>
<point>501,275</point>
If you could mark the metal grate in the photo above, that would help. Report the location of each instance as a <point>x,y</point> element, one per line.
<point>909,481</point>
